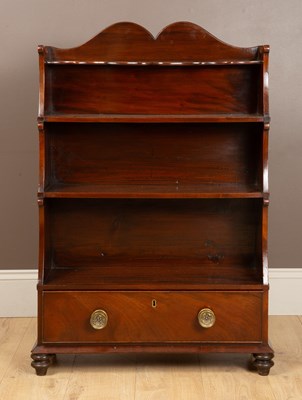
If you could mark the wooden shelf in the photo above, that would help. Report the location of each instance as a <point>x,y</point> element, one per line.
<point>159,274</point>
<point>193,191</point>
<point>221,118</point>
<point>146,63</point>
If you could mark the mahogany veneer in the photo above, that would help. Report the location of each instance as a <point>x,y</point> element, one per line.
<point>153,196</point>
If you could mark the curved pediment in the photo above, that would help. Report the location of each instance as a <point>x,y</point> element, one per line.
<point>127,42</point>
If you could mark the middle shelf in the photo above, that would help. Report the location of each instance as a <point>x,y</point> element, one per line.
<point>140,191</point>
<point>187,160</point>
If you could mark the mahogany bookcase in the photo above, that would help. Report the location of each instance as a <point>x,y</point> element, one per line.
<point>153,196</point>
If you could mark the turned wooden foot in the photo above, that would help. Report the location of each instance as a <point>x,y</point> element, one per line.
<point>41,362</point>
<point>263,363</point>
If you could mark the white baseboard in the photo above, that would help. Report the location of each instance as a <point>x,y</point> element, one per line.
<point>285,295</point>
<point>18,296</point>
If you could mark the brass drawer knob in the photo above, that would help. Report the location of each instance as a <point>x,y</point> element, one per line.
<point>206,318</point>
<point>99,319</point>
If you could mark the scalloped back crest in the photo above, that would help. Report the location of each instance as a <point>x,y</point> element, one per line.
<point>127,41</point>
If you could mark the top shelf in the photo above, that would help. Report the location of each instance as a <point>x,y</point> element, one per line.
<point>219,118</point>
<point>107,79</point>
<point>156,63</point>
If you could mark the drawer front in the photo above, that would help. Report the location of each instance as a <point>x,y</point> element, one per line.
<point>141,317</point>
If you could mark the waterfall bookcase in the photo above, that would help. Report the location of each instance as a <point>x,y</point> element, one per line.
<point>153,196</point>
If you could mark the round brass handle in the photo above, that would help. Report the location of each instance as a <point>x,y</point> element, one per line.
<point>99,319</point>
<point>206,318</point>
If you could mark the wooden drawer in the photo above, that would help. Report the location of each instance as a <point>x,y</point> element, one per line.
<point>140,317</point>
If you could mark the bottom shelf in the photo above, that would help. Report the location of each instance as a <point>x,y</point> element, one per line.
<point>155,275</point>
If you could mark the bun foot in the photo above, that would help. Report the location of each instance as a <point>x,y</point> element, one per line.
<point>41,362</point>
<point>263,363</point>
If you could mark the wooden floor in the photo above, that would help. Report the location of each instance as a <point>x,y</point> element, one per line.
<point>142,377</point>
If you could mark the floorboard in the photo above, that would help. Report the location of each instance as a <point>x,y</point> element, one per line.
<point>151,376</point>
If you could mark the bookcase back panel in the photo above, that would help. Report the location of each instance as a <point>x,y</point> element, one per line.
<point>100,232</point>
<point>170,154</point>
<point>151,90</point>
